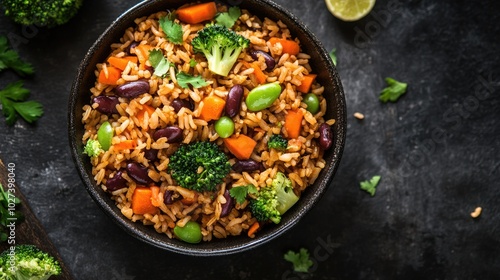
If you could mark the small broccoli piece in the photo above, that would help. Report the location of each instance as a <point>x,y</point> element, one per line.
<point>274,200</point>
<point>27,262</point>
<point>199,166</point>
<point>47,13</point>
<point>221,46</point>
<point>92,148</point>
<point>276,141</point>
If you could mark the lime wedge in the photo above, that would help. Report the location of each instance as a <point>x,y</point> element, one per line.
<point>349,10</point>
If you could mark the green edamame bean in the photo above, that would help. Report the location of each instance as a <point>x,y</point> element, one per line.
<point>190,233</point>
<point>224,127</point>
<point>104,135</point>
<point>312,103</point>
<point>263,96</point>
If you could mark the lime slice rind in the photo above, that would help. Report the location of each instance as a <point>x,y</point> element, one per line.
<point>350,10</point>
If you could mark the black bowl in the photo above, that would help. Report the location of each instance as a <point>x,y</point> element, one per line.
<point>327,76</point>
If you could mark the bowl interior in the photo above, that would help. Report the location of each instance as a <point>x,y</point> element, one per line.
<point>321,64</point>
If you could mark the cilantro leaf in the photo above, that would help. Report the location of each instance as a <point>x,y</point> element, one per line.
<point>393,91</point>
<point>300,260</point>
<point>10,59</point>
<point>192,63</point>
<point>371,185</point>
<point>240,193</point>
<point>13,99</point>
<point>333,56</point>
<point>159,63</point>
<point>183,79</point>
<point>229,18</point>
<point>172,30</point>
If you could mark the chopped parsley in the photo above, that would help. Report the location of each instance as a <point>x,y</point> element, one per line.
<point>240,193</point>
<point>393,91</point>
<point>192,63</point>
<point>184,79</point>
<point>7,213</point>
<point>300,260</point>
<point>10,59</point>
<point>370,186</point>
<point>333,56</point>
<point>172,30</point>
<point>229,18</point>
<point>159,63</point>
<point>13,100</point>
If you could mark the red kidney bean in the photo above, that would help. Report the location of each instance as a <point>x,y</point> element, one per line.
<point>233,101</point>
<point>151,154</point>
<point>131,46</point>
<point>139,173</point>
<point>107,104</point>
<point>117,182</point>
<point>270,62</point>
<point>247,165</point>
<point>167,197</point>
<point>173,134</point>
<point>228,206</point>
<point>325,136</point>
<point>132,89</point>
<point>178,104</point>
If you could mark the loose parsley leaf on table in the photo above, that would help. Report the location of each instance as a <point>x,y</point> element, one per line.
<point>393,91</point>
<point>10,59</point>
<point>229,18</point>
<point>333,56</point>
<point>13,100</point>
<point>159,63</point>
<point>183,79</point>
<point>8,213</point>
<point>172,29</point>
<point>370,186</point>
<point>300,260</point>
<point>240,193</point>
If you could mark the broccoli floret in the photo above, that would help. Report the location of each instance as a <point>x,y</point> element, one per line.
<point>92,148</point>
<point>276,141</point>
<point>27,262</point>
<point>274,200</point>
<point>47,13</point>
<point>221,47</point>
<point>199,166</point>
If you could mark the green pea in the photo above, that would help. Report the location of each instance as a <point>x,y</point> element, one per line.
<point>224,127</point>
<point>104,135</point>
<point>263,96</point>
<point>312,103</point>
<point>190,233</point>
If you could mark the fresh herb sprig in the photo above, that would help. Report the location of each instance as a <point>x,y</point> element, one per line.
<point>159,63</point>
<point>184,80</point>
<point>393,91</point>
<point>10,59</point>
<point>13,99</point>
<point>8,214</point>
<point>370,186</point>
<point>300,260</point>
<point>240,193</point>
<point>333,56</point>
<point>229,18</point>
<point>172,30</point>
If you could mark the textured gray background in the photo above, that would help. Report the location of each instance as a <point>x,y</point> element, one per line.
<point>436,150</point>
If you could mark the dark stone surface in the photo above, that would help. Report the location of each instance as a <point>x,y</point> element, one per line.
<point>436,150</point>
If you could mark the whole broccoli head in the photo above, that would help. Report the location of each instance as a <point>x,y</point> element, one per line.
<point>199,166</point>
<point>274,200</point>
<point>27,262</point>
<point>276,141</point>
<point>221,46</point>
<point>47,13</point>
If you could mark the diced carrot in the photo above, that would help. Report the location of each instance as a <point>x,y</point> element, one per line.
<point>197,13</point>
<point>141,201</point>
<point>306,84</point>
<point>111,77</point>
<point>240,146</point>
<point>142,53</point>
<point>289,46</point>
<point>145,108</point>
<point>259,74</point>
<point>155,196</point>
<point>212,108</point>
<point>189,200</point>
<point>293,123</point>
<point>253,228</point>
<point>121,62</point>
<point>125,145</point>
